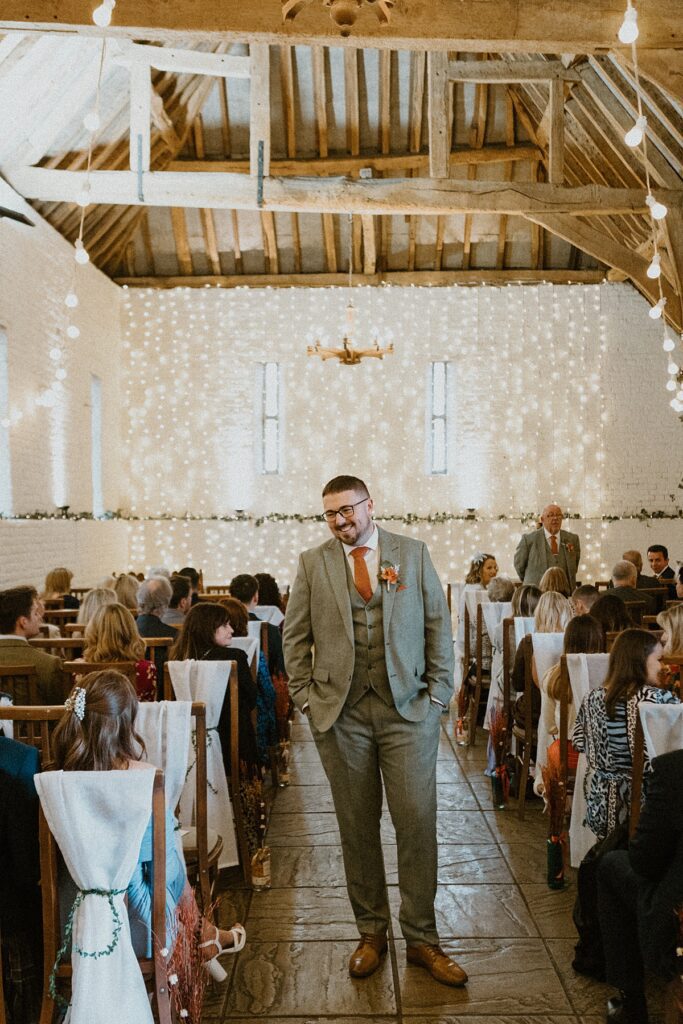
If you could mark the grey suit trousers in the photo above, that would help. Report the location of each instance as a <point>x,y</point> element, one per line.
<point>368,743</point>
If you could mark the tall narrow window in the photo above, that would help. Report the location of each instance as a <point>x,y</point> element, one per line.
<point>96,445</point>
<point>438,435</point>
<point>5,463</point>
<point>271,462</point>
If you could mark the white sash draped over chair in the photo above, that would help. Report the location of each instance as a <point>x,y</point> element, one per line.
<point>586,672</point>
<point>494,612</point>
<point>662,728</point>
<point>548,649</point>
<point>269,613</point>
<point>251,645</point>
<point>165,727</point>
<point>98,820</point>
<point>207,681</point>
<point>524,624</point>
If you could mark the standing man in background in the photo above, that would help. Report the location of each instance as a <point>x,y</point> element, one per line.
<point>550,546</point>
<point>371,604</point>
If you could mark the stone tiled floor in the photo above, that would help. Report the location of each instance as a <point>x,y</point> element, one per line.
<point>495,914</point>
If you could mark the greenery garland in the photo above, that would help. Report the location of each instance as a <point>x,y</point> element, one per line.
<point>407,518</point>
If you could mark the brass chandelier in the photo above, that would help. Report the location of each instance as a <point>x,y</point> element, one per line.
<point>342,12</point>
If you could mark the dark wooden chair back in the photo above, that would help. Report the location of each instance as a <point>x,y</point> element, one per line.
<point>157,643</point>
<point>449,596</point>
<point>657,594</point>
<point>64,647</point>
<point>78,592</point>
<point>33,725</point>
<point>637,777</point>
<point>52,603</point>
<point>72,669</point>
<point>508,660</point>
<point>58,616</point>
<point>609,640</point>
<point>218,588</point>
<point>525,735</point>
<point>73,629</point>
<point>20,682</point>
<point>154,969</point>
<point>601,584</point>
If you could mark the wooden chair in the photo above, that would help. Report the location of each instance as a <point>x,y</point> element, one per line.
<point>52,603</point>
<point>609,640</point>
<point>219,588</point>
<point>601,584</point>
<point>78,592</point>
<point>73,629</point>
<point>157,643</point>
<point>234,776</point>
<point>525,736</point>
<point>657,594</point>
<point>636,610</point>
<point>64,647</point>
<point>673,604</point>
<point>153,969</point>
<point>59,616</point>
<point>508,661</point>
<point>449,596</point>
<point>72,669</point>
<point>20,682</point>
<point>481,683</point>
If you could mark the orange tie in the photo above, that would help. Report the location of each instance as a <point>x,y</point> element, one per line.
<point>553,543</point>
<point>361,576</point>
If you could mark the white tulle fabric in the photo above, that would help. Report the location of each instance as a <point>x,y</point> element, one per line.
<point>98,820</point>
<point>207,681</point>
<point>586,672</point>
<point>524,624</point>
<point>494,612</point>
<point>165,728</point>
<point>662,727</point>
<point>547,653</point>
<point>269,613</point>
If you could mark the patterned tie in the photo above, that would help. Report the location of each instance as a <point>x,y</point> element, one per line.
<point>553,543</point>
<point>361,576</point>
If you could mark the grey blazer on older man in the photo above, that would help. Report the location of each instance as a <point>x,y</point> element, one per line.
<point>533,556</point>
<point>318,632</point>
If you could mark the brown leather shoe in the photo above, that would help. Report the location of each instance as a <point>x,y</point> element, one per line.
<point>367,955</point>
<point>439,965</point>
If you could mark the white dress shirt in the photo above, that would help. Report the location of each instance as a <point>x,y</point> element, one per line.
<point>371,555</point>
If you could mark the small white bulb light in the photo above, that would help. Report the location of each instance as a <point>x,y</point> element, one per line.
<point>73,332</point>
<point>61,373</point>
<point>628,33</point>
<point>675,404</point>
<point>634,137</point>
<point>81,254</point>
<point>91,121</point>
<point>671,385</point>
<point>668,344</point>
<point>654,270</point>
<point>55,355</point>
<point>102,14</point>
<point>71,300</point>
<point>658,210</point>
<point>672,369</point>
<point>656,311</point>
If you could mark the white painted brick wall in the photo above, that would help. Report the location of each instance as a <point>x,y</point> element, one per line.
<point>91,550</point>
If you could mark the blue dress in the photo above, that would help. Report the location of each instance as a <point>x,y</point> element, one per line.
<point>139,890</point>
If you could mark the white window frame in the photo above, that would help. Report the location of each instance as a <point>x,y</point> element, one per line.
<point>438,426</point>
<point>6,503</point>
<point>96,445</point>
<point>271,419</point>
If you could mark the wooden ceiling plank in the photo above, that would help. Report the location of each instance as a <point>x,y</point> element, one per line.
<point>369,245</point>
<point>320,98</point>
<point>418,62</point>
<point>162,122</point>
<point>507,174</point>
<point>237,249</point>
<point>259,107</point>
<point>384,141</point>
<point>206,216</point>
<point>296,242</point>
<point>182,243</point>
<point>476,139</point>
<point>225,116</point>
<point>556,138</point>
<point>664,68</point>
<point>351,103</point>
<point>503,72</point>
<point>287,89</point>
<point>147,244</point>
<point>139,144</point>
<point>658,102</point>
<point>329,243</point>
<point>270,242</point>
<point>437,94</point>
<point>438,242</point>
<point>509,26</point>
<point>182,62</point>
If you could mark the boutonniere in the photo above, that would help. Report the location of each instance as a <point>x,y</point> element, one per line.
<point>569,547</point>
<point>388,573</point>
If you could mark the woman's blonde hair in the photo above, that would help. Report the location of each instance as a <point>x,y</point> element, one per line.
<point>92,602</point>
<point>111,635</point>
<point>555,579</point>
<point>476,565</point>
<point>57,581</point>
<point>552,614</point>
<point>126,590</point>
<point>671,622</point>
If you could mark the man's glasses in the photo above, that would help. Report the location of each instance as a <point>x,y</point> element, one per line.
<point>346,510</point>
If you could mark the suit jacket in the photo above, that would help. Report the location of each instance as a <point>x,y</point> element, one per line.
<point>276,661</point>
<point>629,594</point>
<point>656,855</point>
<point>52,684</point>
<point>418,641</point>
<point>20,905</point>
<point>533,556</point>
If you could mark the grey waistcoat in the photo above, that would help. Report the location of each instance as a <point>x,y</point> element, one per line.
<point>369,667</point>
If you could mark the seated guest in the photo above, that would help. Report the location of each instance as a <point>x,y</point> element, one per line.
<point>245,589</point>
<point>483,569</point>
<point>606,724</point>
<point>624,577</point>
<point>193,577</point>
<point>92,602</point>
<point>21,616</point>
<point>106,583</point>
<point>583,598</point>
<point>671,622</point>
<point>642,582</point>
<point>552,615</point>
<point>555,579</point>
<point>658,557</point>
<point>268,591</point>
<point>181,601</point>
<point>679,583</point>
<point>159,570</point>
<point>97,733</point>
<point>266,725</point>
<point>58,585</point>
<point>524,600</point>
<point>154,597</point>
<point>640,894</point>
<point>501,590</point>
<point>611,613</point>
<point>205,635</point>
<point>111,635</point>
<point>126,590</point>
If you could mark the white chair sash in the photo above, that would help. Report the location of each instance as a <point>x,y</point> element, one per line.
<point>7,725</point>
<point>269,613</point>
<point>251,645</point>
<point>662,727</point>
<point>207,681</point>
<point>165,728</point>
<point>494,612</point>
<point>523,624</point>
<point>98,820</point>
<point>547,649</point>
<point>586,672</point>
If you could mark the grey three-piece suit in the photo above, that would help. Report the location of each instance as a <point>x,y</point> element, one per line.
<point>533,556</point>
<point>367,672</point>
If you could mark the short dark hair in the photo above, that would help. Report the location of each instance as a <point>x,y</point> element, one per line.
<point>587,593</point>
<point>345,483</point>
<point>192,575</point>
<point>658,548</point>
<point>15,603</point>
<point>181,587</point>
<point>244,587</point>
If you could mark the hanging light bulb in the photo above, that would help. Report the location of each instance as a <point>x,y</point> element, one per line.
<point>672,369</point>
<point>628,33</point>
<point>679,396</point>
<point>668,345</point>
<point>91,121</point>
<point>102,14</point>
<point>657,210</point>
<point>671,385</point>
<point>656,311</point>
<point>634,137</point>
<point>73,332</point>
<point>81,254</point>
<point>71,300</point>
<point>675,404</point>
<point>61,373</point>
<point>654,270</point>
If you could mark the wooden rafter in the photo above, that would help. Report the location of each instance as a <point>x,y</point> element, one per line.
<point>445,278</point>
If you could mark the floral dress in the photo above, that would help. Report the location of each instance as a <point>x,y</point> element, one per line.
<point>608,746</point>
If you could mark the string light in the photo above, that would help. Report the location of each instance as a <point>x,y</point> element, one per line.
<point>658,211</point>
<point>628,33</point>
<point>654,270</point>
<point>668,344</point>
<point>102,14</point>
<point>634,136</point>
<point>657,310</point>
<point>81,255</point>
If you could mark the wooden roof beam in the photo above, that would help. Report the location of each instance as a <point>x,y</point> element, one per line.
<point>474,26</point>
<point>504,72</point>
<point>182,62</point>
<point>333,195</point>
<point>259,111</point>
<point>437,98</point>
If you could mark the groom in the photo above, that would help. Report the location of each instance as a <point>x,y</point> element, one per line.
<point>370,606</point>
